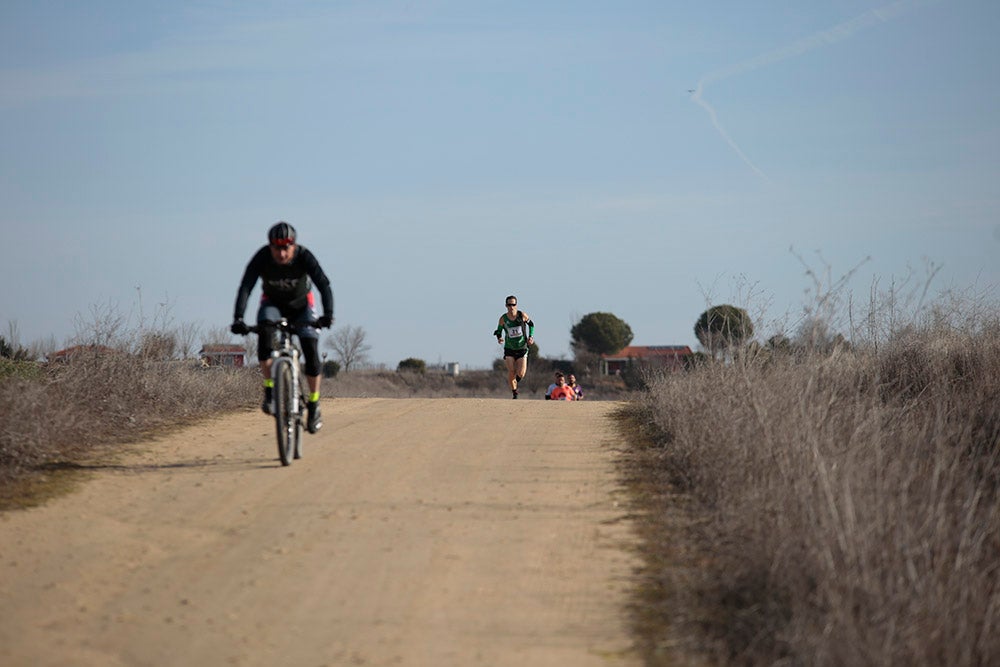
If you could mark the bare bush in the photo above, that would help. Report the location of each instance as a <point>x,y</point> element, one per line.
<point>103,397</point>
<point>849,502</point>
<point>469,384</point>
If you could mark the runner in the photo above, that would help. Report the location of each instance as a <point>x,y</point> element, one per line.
<point>519,331</point>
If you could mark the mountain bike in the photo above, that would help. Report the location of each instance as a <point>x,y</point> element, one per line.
<point>290,389</point>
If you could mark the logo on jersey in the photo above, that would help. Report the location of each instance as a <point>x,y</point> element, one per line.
<point>283,284</point>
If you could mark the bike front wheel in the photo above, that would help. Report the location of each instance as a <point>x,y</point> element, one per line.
<point>299,423</point>
<point>284,411</point>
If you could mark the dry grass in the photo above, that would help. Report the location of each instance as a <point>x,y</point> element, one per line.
<point>469,384</point>
<point>823,510</point>
<point>392,384</point>
<point>839,509</point>
<point>60,414</point>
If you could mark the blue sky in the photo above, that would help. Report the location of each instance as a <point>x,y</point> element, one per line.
<point>438,156</point>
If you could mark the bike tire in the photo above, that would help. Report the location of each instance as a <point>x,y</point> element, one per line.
<point>284,415</point>
<point>300,417</point>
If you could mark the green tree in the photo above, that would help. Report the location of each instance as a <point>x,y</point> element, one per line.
<point>12,351</point>
<point>413,365</point>
<point>601,333</point>
<point>723,328</point>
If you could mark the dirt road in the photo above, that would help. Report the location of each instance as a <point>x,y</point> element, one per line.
<point>413,532</point>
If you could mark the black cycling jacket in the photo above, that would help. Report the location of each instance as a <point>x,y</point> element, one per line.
<point>285,285</point>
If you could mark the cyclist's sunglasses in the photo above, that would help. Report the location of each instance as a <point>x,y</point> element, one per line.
<point>511,305</point>
<point>282,243</point>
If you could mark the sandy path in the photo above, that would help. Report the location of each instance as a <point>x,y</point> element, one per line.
<point>414,532</point>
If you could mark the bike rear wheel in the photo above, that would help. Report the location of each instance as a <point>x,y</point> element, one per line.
<point>284,415</point>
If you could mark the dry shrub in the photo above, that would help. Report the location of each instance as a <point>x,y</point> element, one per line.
<point>850,502</point>
<point>395,384</point>
<point>105,398</point>
<point>468,384</point>
<point>29,421</point>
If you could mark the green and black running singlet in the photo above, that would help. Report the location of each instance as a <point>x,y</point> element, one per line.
<point>517,331</point>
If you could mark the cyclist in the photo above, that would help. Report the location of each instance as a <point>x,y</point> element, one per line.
<point>515,332</point>
<point>287,272</point>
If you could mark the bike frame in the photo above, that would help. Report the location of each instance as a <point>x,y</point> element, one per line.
<point>290,391</point>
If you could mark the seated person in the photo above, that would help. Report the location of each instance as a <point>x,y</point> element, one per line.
<point>548,392</point>
<point>571,381</point>
<point>560,391</point>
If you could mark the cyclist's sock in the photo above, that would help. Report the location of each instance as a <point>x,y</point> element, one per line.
<point>314,397</point>
<point>268,397</point>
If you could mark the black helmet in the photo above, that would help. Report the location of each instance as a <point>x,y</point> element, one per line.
<point>281,234</point>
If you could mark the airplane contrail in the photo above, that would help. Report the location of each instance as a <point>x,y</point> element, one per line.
<point>725,135</point>
<point>837,33</point>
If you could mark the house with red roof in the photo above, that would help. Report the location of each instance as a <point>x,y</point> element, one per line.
<point>669,357</point>
<point>223,354</point>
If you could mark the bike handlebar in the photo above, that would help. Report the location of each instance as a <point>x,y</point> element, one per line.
<point>290,327</point>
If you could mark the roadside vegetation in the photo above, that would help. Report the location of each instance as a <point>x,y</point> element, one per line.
<point>56,417</point>
<point>816,499</point>
<point>821,502</point>
<point>60,417</point>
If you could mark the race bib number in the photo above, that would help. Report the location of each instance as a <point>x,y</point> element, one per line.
<point>514,331</point>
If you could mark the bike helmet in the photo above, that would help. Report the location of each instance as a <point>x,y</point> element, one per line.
<point>281,234</point>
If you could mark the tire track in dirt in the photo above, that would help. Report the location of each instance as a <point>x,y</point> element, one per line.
<point>414,532</point>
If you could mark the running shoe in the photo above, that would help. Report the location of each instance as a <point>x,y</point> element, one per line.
<point>315,420</point>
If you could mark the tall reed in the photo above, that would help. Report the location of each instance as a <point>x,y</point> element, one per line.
<point>850,501</point>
